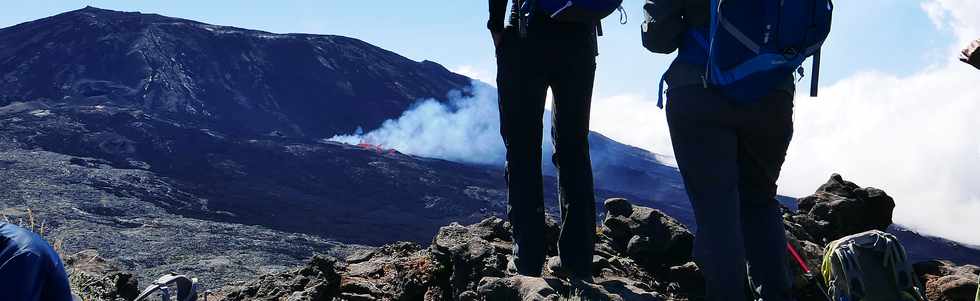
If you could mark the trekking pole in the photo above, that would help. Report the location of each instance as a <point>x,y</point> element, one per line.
<point>806,270</point>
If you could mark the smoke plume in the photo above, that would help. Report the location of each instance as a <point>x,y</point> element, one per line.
<point>465,128</point>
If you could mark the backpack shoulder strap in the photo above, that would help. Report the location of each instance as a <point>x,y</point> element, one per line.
<point>826,266</point>
<point>738,34</point>
<point>896,257</point>
<point>851,269</point>
<point>715,9</point>
<point>978,291</point>
<point>815,74</point>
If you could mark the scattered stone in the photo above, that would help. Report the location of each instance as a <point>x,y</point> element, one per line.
<point>689,277</point>
<point>946,282</point>
<point>94,278</point>
<point>618,207</point>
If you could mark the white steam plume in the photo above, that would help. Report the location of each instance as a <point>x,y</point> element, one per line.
<point>466,128</point>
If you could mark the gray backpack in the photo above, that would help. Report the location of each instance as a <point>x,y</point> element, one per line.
<point>172,287</point>
<point>870,266</point>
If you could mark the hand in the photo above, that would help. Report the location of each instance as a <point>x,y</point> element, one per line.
<point>971,55</point>
<point>497,37</point>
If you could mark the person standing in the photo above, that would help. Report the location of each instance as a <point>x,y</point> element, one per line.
<point>729,154</point>
<point>561,56</point>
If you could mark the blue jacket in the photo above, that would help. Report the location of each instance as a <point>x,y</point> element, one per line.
<point>30,270</point>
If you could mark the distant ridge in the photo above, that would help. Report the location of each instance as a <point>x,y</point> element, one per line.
<point>233,79</point>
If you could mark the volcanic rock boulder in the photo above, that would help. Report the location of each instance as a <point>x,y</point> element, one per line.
<point>399,271</point>
<point>840,208</point>
<point>318,280</point>
<point>471,253</point>
<point>945,281</point>
<point>648,236</point>
<point>94,278</point>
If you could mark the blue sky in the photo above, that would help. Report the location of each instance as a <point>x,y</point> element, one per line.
<point>897,111</point>
<point>885,35</point>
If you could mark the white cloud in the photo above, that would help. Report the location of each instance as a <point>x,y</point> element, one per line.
<point>914,137</point>
<point>485,76</point>
<point>936,13</point>
<point>634,120</point>
<point>960,16</point>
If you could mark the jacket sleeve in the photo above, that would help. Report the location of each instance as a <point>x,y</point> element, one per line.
<point>20,277</point>
<point>663,25</point>
<point>497,10</point>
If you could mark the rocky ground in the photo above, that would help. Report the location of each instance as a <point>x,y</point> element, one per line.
<point>641,254</point>
<point>128,221</point>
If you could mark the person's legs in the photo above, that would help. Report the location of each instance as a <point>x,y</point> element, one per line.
<point>572,77</point>
<point>522,91</point>
<point>705,146</point>
<point>764,136</point>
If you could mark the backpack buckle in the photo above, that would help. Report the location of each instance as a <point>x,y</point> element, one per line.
<point>790,53</point>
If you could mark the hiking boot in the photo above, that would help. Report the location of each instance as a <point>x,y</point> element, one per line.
<point>557,270</point>
<point>513,270</point>
<point>511,266</point>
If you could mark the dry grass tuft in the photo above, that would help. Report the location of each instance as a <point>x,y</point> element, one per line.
<point>575,295</point>
<point>34,223</point>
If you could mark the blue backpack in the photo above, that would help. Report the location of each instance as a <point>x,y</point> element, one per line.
<point>751,46</point>
<point>585,11</point>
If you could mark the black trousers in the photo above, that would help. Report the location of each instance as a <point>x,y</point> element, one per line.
<point>730,157</point>
<point>561,57</point>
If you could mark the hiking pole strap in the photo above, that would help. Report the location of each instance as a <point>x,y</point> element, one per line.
<point>815,79</point>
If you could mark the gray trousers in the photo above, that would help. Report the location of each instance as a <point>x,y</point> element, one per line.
<point>730,157</point>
